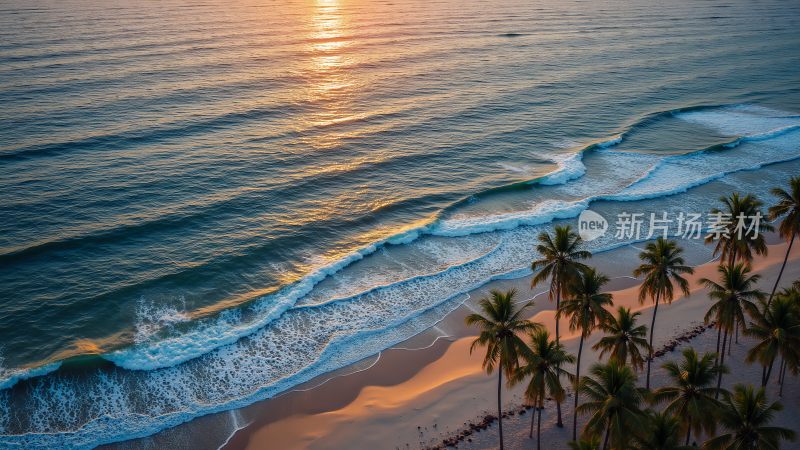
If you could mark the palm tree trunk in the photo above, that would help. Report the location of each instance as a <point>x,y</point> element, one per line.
<point>652,328</point>
<point>783,266</point>
<point>719,335</point>
<point>577,384</point>
<point>558,308</point>
<point>735,319</point>
<point>783,378</point>
<point>533,419</point>
<point>721,362</point>
<point>730,338</point>
<point>539,429</point>
<point>560,422</point>
<point>780,370</point>
<point>500,404</point>
<point>769,373</point>
<point>608,432</point>
<point>688,433</point>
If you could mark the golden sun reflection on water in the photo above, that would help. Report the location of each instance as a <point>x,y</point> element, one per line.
<point>330,84</point>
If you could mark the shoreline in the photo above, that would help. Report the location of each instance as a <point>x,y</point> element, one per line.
<point>394,381</point>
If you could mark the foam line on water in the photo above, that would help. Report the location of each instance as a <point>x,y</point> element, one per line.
<point>236,428</point>
<point>399,282</point>
<point>643,188</point>
<point>11,377</point>
<point>738,120</point>
<point>224,331</point>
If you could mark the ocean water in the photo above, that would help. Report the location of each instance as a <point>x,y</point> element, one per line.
<point>204,205</point>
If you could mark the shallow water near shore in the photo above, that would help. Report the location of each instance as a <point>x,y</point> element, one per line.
<point>207,209</point>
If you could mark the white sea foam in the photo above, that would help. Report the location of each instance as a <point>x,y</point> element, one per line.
<point>152,317</point>
<point>10,377</point>
<point>228,327</point>
<point>676,174</point>
<point>570,167</point>
<point>740,120</point>
<point>658,176</point>
<point>541,213</point>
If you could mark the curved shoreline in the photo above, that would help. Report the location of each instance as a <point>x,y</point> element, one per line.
<point>402,380</point>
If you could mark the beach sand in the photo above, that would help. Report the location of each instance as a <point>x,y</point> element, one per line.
<point>412,397</point>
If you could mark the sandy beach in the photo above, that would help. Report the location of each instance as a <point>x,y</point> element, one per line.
<point>413,397</point>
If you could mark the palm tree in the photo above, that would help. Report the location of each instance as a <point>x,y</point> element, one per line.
<point>662,266</point>
<point>792,296</point>
<point>691,396</point>
<point>586,309</point>
<point>733,243</point>
<point>542,364</point>
<point>613,402</point>
<point>660,432</point>
<point>499,329</point>
<point>777,329</point>
<point>733,295</point>
<point>624,339</point>
<point>560,255</point>
<point>746,416</point>
<point>788,206</point>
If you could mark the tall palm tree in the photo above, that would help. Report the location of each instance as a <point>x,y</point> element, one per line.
<point>788,207</point>
<point>734,295</point>
<point>500,326</point>
<point>560,262</point>
<point>662,265</point>
<point>542,364</point>
<point>614,402</point>
<point>690,397</point>
<point>746,416</point>
<point>734,244</point>
<point>792,296</point>
<point>660,432</point>
<point>777,329</point>
<point>586,310</point>
<point>624,340</point>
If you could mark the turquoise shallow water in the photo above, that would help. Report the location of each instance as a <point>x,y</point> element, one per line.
<point>204,205</point>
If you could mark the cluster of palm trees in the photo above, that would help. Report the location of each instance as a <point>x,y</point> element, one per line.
<point>620,413</point>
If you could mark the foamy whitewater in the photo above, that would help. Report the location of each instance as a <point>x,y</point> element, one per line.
<point>181,249</point>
